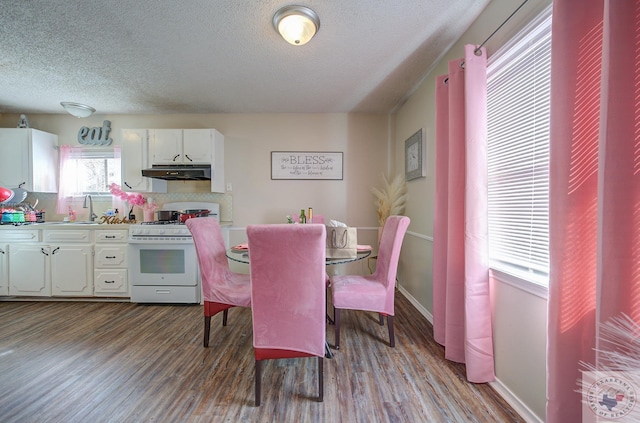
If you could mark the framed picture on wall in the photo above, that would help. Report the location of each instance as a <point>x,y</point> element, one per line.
<point>415,156</point>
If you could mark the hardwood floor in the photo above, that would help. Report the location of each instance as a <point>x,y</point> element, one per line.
<point>122,362</point>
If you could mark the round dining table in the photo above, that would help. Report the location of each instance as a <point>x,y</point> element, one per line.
<point>241,255</point>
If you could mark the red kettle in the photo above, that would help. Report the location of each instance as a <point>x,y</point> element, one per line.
<point>5,194</point>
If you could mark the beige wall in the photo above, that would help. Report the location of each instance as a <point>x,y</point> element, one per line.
<point>249,139</point>
<point>372,144</point>
<point>519,316</point>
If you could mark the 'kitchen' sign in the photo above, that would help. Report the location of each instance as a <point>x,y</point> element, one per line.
<point>95,135</point>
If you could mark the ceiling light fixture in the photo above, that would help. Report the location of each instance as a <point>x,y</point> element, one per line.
<point>78,110</point>
<point>296,24</point>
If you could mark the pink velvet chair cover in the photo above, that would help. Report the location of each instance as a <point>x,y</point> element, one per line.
<point>221,288</point>
<point>373,292</point>
<point>288,292</point>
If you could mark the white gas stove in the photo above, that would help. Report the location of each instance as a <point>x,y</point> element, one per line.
<point>163,262</point>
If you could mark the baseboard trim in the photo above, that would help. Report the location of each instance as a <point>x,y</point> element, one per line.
<point>515,402</point>
<point>520,407</point>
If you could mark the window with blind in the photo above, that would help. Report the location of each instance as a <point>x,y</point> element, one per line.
<point>518,100</point>
<point>94,170</point>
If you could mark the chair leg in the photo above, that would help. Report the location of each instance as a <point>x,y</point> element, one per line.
<point>326,307</point>
<point>392,340</point>
<point>336,320</point>
<point>320,379</point>
<point>225,313</point>
<point>258,377</point>
<point>380,319</point>
<point>207,329</point>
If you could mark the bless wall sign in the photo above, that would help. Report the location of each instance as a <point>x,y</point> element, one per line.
<point>95,135</point>
<point>306,165</point>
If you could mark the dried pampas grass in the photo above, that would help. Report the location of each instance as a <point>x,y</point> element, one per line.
<point>391,198</point>
<point>610,388</point>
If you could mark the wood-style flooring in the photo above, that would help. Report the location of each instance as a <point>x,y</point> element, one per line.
<point>122,362</point>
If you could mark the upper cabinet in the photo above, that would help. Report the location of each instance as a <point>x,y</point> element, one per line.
<point>134,158</point>
<point>189,147</point>
<point>182,146</point>
<point>28,158</point>
<point>144,148</point>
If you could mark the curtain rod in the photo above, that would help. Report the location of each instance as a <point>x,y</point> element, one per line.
<point>477,49</point>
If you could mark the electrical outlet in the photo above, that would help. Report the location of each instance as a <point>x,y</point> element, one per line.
<point>229,187</point>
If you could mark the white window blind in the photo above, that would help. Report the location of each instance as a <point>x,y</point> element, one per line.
<point>94,170</point>
<point>518,99</point>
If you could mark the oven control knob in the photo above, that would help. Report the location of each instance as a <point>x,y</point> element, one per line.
<point>161,231</point>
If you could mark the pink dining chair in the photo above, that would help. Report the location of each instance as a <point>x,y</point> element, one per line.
<point>374,292</point>
<point>287,265</point>
<point>221,288</point>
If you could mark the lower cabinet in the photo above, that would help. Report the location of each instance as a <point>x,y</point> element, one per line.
<point>64,263</point>
<point>71,262</point>
<point>29,266</point>
<point>4,269</point>
<point>23,264</point>
<point>110,263</point>
<point>57,269</point>
<point>71,270</point>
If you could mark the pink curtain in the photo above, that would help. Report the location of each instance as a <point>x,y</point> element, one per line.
<point>461,303</point>
<point>594,207</point>
<point>68,175</point>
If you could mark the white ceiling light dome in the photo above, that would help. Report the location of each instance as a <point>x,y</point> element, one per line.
<point>77,109</point>
<point>296,24</point>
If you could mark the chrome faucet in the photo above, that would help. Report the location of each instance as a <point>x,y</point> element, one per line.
<point>92,215</point>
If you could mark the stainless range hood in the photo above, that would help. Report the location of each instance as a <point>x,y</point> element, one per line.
<point>179,172</point>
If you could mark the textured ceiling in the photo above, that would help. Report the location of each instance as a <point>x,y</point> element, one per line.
<point>220,56</point>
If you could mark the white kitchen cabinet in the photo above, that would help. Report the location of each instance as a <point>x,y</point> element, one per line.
<point>135,157</point>
<point>28,159</point>
<point>29,270</point>
<point>4,269</point>
<point>181,146</point>
<point>71,256</point>
<point>190,146</point>
<point>25,271</point>
<point>110,263</point>
<point>71,270</point>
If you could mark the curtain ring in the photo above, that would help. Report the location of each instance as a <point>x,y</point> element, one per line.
<point>445,81</point>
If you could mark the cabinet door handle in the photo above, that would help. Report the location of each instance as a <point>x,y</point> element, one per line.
<point>110,257</point>
<point>110,236</point>
<point>43,251</point>
<point>55,250</point>
<point>109,281</point>
<point>1,251</point>
<point>127,185</point>
<point>175,157</point>
<point>187,156</point>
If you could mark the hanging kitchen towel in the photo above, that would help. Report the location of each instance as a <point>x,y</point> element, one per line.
<point>342,242</point>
